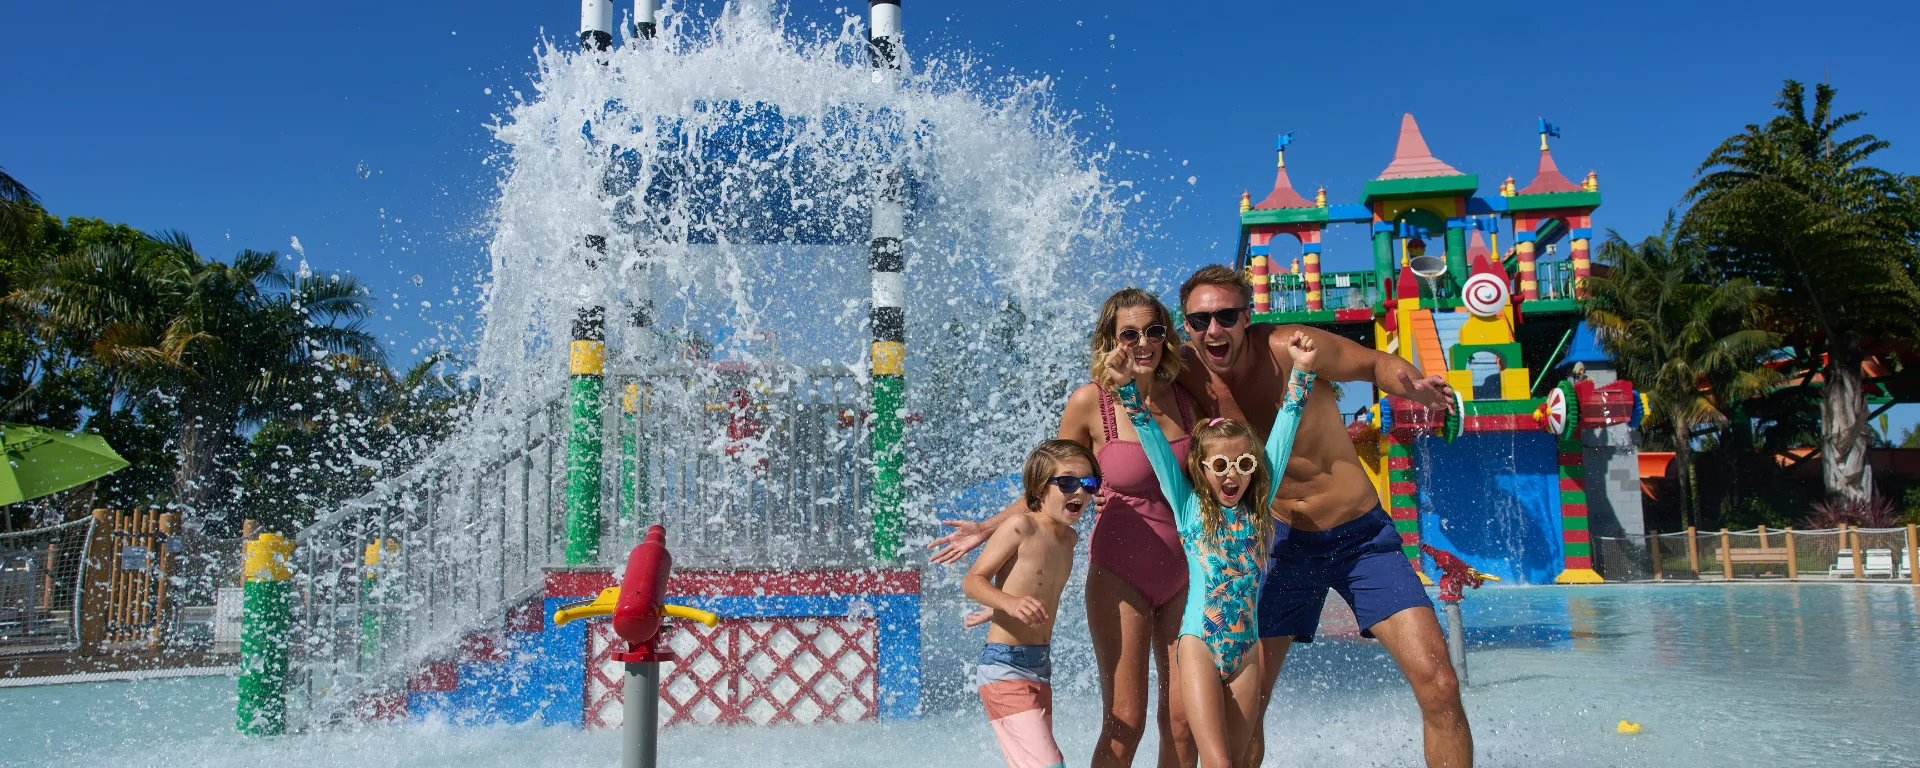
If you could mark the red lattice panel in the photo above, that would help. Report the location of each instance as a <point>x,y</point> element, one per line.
<point>750,671</point>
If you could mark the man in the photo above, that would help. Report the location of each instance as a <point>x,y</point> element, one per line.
<point>1332,532</point>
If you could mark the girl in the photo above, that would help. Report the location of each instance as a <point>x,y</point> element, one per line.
<point>1220,502</point>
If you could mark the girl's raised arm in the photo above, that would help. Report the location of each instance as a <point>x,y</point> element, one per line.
<point>1166,467</point>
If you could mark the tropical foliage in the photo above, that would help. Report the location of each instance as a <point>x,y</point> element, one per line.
<point>227,383</point>
<point>1692,342</point>
<point>1792,204</point>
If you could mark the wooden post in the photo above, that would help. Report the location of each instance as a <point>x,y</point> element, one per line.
<point>1726,555</point>
<point>1859,557</point>
<point>1913,555</point>
<point>96,584</point>
<point>163,607</point>
<point>1793,563</point>
<point>1763,537</point>
<point>1693,550</point>
<point>1653,548</point>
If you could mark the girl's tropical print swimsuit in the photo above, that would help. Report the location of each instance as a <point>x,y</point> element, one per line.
<point>1223,574</point>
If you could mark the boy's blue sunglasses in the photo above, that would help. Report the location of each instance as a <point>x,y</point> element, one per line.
<point>1068,484</point>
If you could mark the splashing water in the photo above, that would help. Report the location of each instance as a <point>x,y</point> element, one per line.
<point>728,164</point>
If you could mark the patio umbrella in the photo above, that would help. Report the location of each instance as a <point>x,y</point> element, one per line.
<point>41,461</point>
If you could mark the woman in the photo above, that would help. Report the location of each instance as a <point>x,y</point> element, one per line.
<point>1137,582</point>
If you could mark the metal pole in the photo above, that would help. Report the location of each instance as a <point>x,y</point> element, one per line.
<point>1456,640</point>
<point>644,16</point>
<point>887,260</point>
<point>640,704</point>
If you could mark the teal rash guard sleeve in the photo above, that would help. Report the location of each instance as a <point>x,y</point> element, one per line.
<point>1285,424</point>
<point>1174,484</point>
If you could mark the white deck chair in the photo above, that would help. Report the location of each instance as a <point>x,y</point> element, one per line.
<point>1842,564</point>
<point>1879,563</point>
<point>1906,563</point>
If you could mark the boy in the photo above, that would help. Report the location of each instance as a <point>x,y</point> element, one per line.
<point>1019,575</point>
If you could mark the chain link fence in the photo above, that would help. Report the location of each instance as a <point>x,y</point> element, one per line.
<point>41,572</point>
<point>1831,554</point>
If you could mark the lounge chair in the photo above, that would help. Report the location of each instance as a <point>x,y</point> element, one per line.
<point>1879,563</point>
<point>1842,564</point>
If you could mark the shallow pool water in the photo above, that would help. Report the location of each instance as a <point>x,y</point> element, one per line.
<point>1747,675</point>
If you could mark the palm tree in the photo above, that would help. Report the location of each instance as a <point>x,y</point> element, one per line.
<point>17,206</point>
<point>1693,343</point>
<point>233,343</point>
<point>1792,206</point>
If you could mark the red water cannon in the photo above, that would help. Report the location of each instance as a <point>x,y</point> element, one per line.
<point>1455,575</point>
<point>639,605</point>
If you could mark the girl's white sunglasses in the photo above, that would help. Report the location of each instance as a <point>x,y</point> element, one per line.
<point>1218,464</point>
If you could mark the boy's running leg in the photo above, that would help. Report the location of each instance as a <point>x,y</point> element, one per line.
<point>1414,639</point>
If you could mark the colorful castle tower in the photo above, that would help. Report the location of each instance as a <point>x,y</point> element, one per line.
<point>1503,481</point>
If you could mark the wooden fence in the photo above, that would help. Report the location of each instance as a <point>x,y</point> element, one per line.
<point>1833,554</point>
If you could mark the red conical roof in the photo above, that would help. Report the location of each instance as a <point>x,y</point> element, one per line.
<point>1478,246</point>
<point>1283,195</point>
<point>1548,178</point>
<point>1411,158</point>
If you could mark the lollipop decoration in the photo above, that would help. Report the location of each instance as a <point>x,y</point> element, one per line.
<point>1485,295</point>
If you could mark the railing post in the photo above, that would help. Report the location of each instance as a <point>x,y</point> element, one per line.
<point>1726,555</point>
<point>1693,550</point>
<point>265,621</point>
<point>96,582</point>
<point>1852,537</point>
<point>1913,554</point>
<point>1653,548</point>
<point>1793,562</point>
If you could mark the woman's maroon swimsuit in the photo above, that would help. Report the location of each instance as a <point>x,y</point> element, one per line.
<point>1134,536</point>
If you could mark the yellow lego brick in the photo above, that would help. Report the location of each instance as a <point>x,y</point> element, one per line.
<point>1515,384</point>
<point>1462,382</point>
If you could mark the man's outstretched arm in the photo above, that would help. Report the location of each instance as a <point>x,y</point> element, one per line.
<point>1340,359</point>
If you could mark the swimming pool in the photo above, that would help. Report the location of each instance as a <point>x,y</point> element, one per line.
<point>1747,674</point>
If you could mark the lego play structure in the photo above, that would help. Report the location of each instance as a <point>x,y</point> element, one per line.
<point>1519,479</point>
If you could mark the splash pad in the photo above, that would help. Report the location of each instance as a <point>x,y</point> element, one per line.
<point>713,242</point>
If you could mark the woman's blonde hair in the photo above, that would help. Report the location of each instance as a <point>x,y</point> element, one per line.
<point>1254,500</point>
<point>1106,333</point>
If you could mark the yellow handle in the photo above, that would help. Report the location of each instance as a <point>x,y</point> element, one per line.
<point>1485,576</point>
<point>603,606</point>
<point>599,606</point>
<point>683,612</point>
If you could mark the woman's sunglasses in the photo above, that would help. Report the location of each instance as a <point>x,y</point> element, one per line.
<point>1068,484</point>
<point>1219,465</point>
<point>1132,335</point>
<point>1228,318</point>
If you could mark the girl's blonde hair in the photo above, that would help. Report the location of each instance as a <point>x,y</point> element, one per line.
<point>1253,500</point>
<point>1106,333</point>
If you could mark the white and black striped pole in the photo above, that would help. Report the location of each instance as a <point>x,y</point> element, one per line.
<point>887,260</point>
<point>645,13</point>
<point>596,24</point>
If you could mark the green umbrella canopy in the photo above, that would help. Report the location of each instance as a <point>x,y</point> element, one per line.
<point>41,461</point>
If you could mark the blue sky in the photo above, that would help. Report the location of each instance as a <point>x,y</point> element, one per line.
<point>358,126</point>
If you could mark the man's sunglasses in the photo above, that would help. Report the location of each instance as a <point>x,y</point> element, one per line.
<point>1068,484</point>
<point>1132,335</point>
<point>1228,318</point>
<point>1218,464</point>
